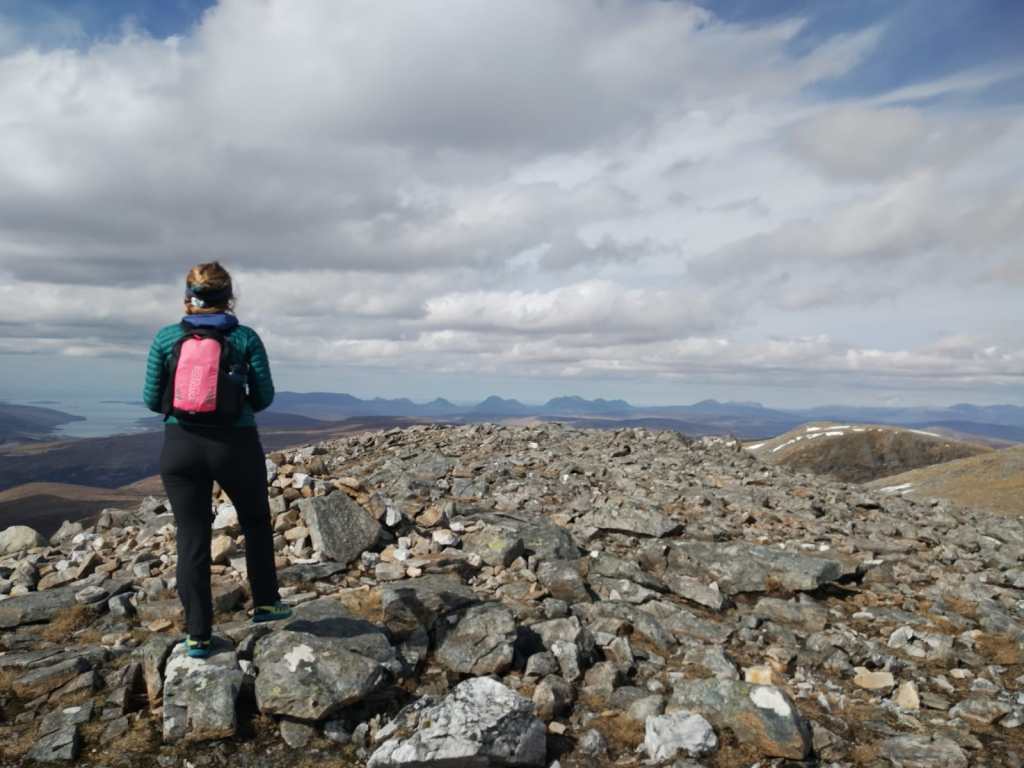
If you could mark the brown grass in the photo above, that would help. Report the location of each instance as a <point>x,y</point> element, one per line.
<point>7,678</point>
<point>15,741</point>
<point>68,621</point>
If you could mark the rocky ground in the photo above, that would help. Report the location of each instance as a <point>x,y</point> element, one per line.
<point>517,596</point>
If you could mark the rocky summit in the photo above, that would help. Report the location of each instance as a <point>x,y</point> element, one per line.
<point>529,596</point>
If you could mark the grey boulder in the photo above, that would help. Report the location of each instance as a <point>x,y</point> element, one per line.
<point>763,716</point>
<point>481,642</point>
<point>200,694</point>
<point>340,529</point>
<point>665,736</point>
<point>306,677</point>
<point>481,723</point>
<point>18,538</point>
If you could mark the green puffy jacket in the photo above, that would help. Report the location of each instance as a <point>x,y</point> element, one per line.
<point>246,346</point>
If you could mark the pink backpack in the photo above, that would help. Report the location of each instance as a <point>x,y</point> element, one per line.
<point>203,386</point>
<point>195,377</point>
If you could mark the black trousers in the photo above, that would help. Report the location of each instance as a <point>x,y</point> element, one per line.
<point>191,460</point>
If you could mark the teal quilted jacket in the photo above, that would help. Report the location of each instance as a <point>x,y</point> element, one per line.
<point>245,344</point>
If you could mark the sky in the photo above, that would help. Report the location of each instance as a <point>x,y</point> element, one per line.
<point>793,202</point>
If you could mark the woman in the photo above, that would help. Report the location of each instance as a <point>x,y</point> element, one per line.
<point>210,437</point>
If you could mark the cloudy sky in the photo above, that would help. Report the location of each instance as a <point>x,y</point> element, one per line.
<point>792,202</point>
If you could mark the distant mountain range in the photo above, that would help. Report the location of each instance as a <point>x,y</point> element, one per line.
<point>744,419</point>
<point>747,420</point>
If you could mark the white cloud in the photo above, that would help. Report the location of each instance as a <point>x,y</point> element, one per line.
<point>609,189</point>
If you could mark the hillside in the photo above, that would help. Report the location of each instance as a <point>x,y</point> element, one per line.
<point>490,595</point>
<point>993,481</point>
<point>30,422</point>
<point>45,505</point>
<point>860,453</point>
<point>115,461</point>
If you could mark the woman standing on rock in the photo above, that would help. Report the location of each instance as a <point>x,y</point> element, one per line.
<point>208,375</point>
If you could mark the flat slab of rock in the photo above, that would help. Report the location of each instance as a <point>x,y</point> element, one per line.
<point>753,568</point>
<point>339,528</point>
<point>760,715</point>
<point>42,681</point>
<point>60,746</point>
<point>199,695</point>
<point>642,521</point>
<point>923,752</point>
<point>307,677</point>
<point>541,537</point>
<point>481,723</point>
<point>36,607</point>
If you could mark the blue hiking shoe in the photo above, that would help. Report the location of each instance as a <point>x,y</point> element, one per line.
<point>196,649</point>
<point>274,612</point>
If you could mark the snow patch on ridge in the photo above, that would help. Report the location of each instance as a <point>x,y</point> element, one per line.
<point>901,488</point>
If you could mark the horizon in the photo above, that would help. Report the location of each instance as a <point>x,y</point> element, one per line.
<point>662,201</point>
<point>58,399</point>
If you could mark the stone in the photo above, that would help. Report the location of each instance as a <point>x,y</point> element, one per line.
<point>479,723</point>
<point>43,680</point>
<point>873,680</point>
<point>645,707</point>
<point>637,520</point>
<point>62,745</point>
<point>307,677</point>
<point>226,519</point>
<point>200,695</point>
<point>337,731</point>
<point>980,712</point>
<point>66,717</point>
<point>36,607</point>
<point>496,546</point>
<point>221,549</point>
<point>90,595</point>
<point>715,661</point>
<point>339,528</point>
<point>553,697</point>
<point>296,734</point>
<point>541,664</point>
<point>741,567</point>
<point>570,660</point>
<point>154,654</point>
<point>807,614</point>
<point>569,630</point>
<point>763,716</point>
<point>66,531</point>
<point>665,736</point>
<point>328,618</point>
<point>477,641</point>
<point>411,605</point>
<point>923,751</point>
<point>592,744</point>
<point>906,696</point>
<point>562,578</point>
<point>19,538</point>
<point>695,590</point>
<point>762,675</point>
<point>621,590</point>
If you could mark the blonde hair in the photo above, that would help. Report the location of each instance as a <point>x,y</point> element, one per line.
<point>214,277</point>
